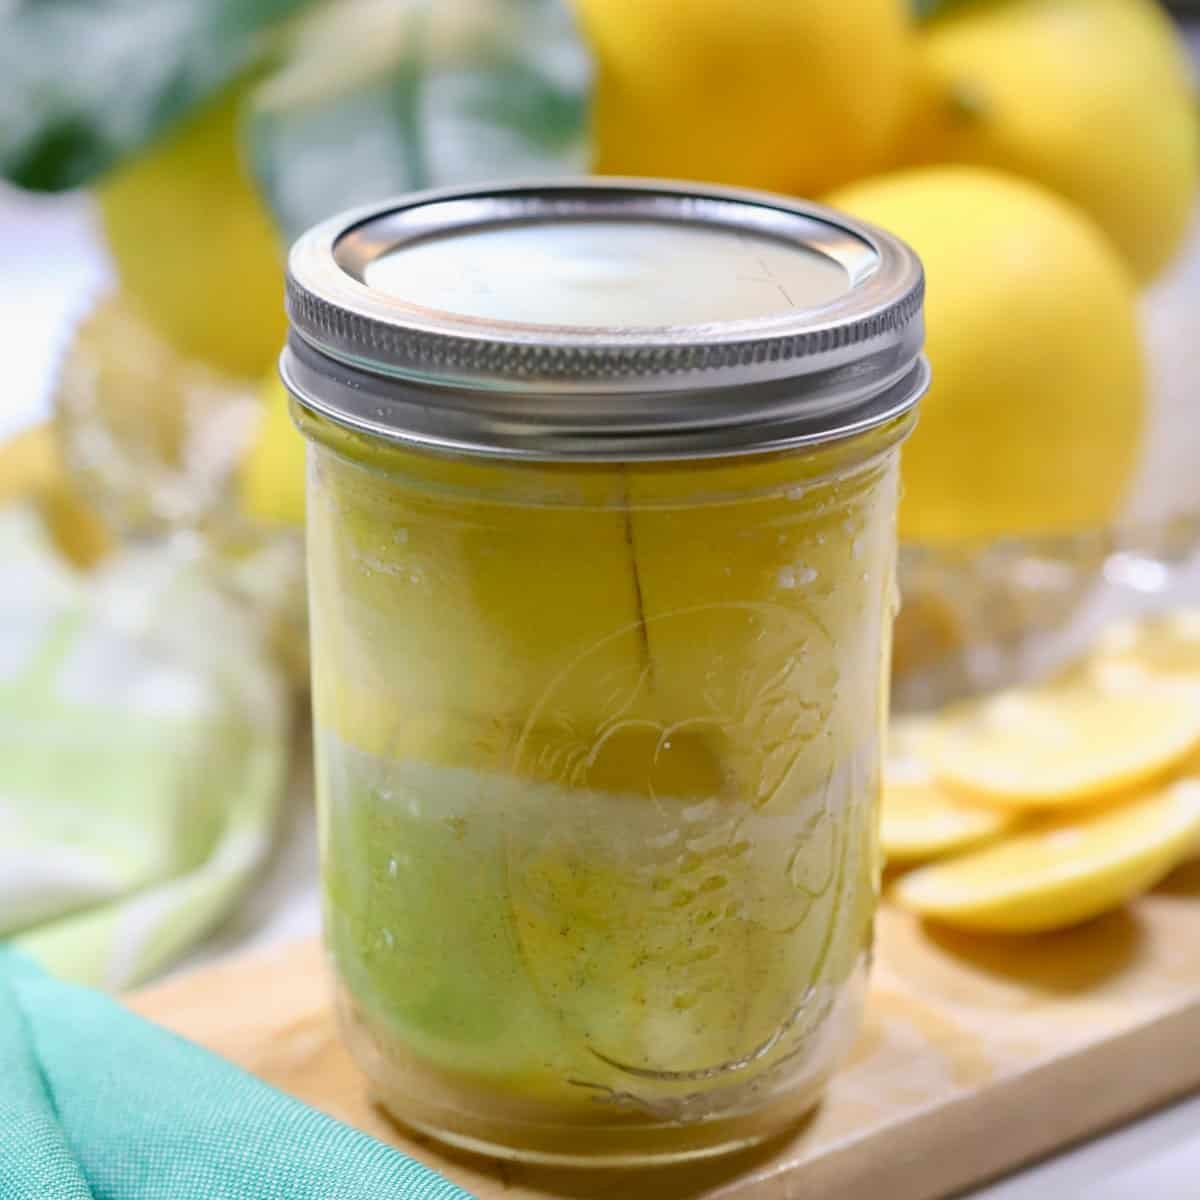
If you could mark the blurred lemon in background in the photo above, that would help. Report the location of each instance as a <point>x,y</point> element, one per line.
<point>29,462</point>
<point>1093,98</point>
<point>1033,422</point>
<point>193,246</point>
<point>798,97</point>
<point>31,467</point>
<point>272,478</point>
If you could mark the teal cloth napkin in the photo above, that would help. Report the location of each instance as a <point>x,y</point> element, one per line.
<point>98,1104</point>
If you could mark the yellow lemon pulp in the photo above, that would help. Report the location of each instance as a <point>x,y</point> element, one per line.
<point>1067,742</point>
<point>798,97</point>
<point>1034,419</point>
<point>1028,86</point>
<point>1065,871</point>
<point>193,246</point>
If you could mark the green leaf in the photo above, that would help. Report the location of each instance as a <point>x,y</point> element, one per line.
<point>88,82</point>
<point>387,96</point>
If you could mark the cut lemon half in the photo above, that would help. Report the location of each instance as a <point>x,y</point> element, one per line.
<point>1065,871</point>
<point>919,818</point>
<point>1077,739</point>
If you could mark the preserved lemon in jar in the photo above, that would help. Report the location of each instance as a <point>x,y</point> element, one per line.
<point>602,487</point>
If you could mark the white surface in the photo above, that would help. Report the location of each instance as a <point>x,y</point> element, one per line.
<point>50,265</point>
<point>1157,1158</point>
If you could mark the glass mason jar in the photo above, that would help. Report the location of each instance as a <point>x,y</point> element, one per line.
<point>600,630</point>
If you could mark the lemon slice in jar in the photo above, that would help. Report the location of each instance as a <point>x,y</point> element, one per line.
<point>1063,872</point>
<point>919,817</point>
<point>1079,738</point>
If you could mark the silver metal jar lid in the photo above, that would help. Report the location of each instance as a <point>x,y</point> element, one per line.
<point>747,322</point>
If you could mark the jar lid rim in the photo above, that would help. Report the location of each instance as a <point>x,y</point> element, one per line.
<point>530,389</point>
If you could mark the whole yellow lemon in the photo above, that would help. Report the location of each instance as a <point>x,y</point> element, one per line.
<point>1093,98</point>
<point>795,96</point>
<point>194,249</point>
<point>1033,422</point>
<point>31,467</point>
<point>272,476</point>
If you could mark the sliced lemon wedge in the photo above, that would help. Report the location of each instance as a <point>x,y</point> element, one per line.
<point>922,821</point>
<point>919,818</point>
<point>1064,871</point>
<point>1082,737</point>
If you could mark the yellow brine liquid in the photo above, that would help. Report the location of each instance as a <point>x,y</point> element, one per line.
<point>598,753</point>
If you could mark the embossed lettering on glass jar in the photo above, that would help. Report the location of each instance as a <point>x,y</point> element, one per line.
<point>602,489</point>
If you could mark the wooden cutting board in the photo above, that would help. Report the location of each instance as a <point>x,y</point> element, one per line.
<point>977,1055</point>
